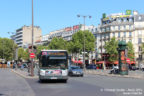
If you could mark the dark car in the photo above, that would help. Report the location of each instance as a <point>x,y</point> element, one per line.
<point>91,66</point>
<point>75,71</point>
<point>132,67</point>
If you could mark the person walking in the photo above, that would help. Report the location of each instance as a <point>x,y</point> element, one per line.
<point>8,64</point>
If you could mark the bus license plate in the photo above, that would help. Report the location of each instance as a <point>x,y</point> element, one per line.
<point>53,78</point>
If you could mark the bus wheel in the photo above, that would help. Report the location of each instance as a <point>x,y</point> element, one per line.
<point>65,81</point>
<point>40,80</point>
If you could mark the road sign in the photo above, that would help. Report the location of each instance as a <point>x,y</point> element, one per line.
<point>32,55</point>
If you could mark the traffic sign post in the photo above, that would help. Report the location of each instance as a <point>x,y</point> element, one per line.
<point>32,55</point>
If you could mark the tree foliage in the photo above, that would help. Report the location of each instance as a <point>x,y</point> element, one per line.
<point>23,54</point>
<point>111,48</point>
<point>130,51</point>
<point>41,47</point>
<point>142,46</point>
<point>7,48</point>
<point>78,41</point>
<point>57,43</point>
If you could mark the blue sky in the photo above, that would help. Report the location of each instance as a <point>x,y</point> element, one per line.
<point>52,15</point>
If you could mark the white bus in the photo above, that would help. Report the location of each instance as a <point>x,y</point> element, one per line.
<point>53,65</point>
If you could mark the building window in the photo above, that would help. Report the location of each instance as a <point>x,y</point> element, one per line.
<point>118,27</point>
<point>129,27</point>
<point>139,32</point>
<point>113,34</point>
<point>107,29</point>
<point>139,40</point>
<point>130,19</point>
<point>130,34</point>
<point>124,20</point>
<point>124,34</point>
<point>118,34</point>
<point>130,40</point>
<point>124,27</point>
<point>95,29</point>
<point>113,27</point>
<point>139,18</point>
<point>140,57</point>
<point>140,49</point>
<point>119,20</point>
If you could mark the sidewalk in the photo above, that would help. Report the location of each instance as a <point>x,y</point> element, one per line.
<point>23,73</point>
<point>131,74</point>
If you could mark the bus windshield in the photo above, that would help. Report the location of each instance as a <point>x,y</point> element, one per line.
<point>51,61</point>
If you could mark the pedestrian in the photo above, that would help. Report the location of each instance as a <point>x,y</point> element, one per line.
<point>8,64</point>
<point>22,66</point>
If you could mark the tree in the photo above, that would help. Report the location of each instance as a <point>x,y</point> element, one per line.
<point>130,51</point>
<point>142,46</point>
<point>20,53</point>
<point>41,47</point>
<point>7,47</point>
<point>23,54</point>
<point>57,43</point>
<point>78,41</point>
<point>111,48</point>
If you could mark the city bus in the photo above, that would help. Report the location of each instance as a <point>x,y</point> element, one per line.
<point>53,65</point>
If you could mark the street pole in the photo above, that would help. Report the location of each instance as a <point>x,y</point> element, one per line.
<point>84,41</point>
<point>84,44</point>
<point>32,70</point>
<point>3,48</point>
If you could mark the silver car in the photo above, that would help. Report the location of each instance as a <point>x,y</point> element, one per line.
<point>75,71</point>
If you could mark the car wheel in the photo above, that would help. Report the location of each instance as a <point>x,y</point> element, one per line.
<point>65,81</point>
<point>40,80</point>
<point>82,75</point>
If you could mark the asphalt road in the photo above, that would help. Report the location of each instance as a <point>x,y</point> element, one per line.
<point>12,84</point>
<point>89,85</point>
<point>72,88</point>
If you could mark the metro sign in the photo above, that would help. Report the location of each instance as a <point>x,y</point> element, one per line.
<point>32,55</point>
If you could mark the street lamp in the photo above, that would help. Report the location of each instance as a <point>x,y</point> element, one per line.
<point>84,17</point>
<point>32,70</point>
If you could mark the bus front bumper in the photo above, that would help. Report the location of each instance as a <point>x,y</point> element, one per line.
<point>53,77</point>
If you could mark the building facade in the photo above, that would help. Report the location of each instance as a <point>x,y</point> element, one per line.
<point>23,36</point>
<point>66,33</point>
<point>122,26</point>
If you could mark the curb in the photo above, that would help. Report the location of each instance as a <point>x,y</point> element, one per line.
<point>112,75</point>
<point>22,75</point>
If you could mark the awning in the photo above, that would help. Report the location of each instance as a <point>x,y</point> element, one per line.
<point>99,62</point>
<point>79,62</point>
<point>115,62</point>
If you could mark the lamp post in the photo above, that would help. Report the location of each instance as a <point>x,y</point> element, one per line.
<point>84,17</point>
<point>32,70</point>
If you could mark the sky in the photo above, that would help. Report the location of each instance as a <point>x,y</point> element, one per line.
<point>53,15</point>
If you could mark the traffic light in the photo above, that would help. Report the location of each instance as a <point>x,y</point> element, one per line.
<point>34,49</point>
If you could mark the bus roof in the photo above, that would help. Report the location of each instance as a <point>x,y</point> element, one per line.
<point>53,50</point>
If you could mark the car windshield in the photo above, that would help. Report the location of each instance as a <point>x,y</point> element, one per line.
<point>75,67</point>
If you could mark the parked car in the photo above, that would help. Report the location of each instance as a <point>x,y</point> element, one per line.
<point>25,65</point>
<point>75,71</point>
<point>115,70</point>
<point>91,66</point>
<point>132,67</point>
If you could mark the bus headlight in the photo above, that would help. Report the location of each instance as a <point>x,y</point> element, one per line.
<point>42,72</point>
<point>64,72</point>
